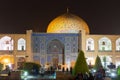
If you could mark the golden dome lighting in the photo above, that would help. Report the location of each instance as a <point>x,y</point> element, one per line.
<point>67,23</point>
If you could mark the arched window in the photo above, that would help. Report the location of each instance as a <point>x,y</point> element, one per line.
<point>118,44</point>
<point>105,44</point>
<point>89,44</point>
<point>21,44</point>
<point>6,43</point>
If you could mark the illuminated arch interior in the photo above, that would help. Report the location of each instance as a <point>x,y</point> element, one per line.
<point>7,60</point>
<point>107,62</point>
<point>21,44</point>
<point>118,44</point>
<point>89,44</point>
<point>6,43</point>
<point>90,61</point>
<point>105,44</point>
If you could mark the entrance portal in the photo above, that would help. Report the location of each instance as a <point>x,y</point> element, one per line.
<point>55,51</point>
<point>55,62</point>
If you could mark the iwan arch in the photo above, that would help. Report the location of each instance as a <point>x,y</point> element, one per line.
<point>66,35</point>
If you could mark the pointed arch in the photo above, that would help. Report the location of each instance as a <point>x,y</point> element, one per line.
<point>55,47</point>
<point>106,60</point>
<point>89,44</point>
<point>6,43</point>
<point>105,44</point>
<point>55,51</point>
<point>118,44</point>
<point>21,44</point>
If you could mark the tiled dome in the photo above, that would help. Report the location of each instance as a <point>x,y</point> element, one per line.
<point>67,23</point>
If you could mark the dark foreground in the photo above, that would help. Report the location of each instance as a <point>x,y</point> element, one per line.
<point>16,76</point>
<point>59,76</point>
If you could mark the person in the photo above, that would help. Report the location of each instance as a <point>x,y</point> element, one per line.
<point>42,70</point>
<point>85,76</point>
<point>71,70</point>
<point>79,76</point>
<point>102,71</point>
<point>8,70</point>
<point>90,77</point>
<point>63,69</point>
<point>67,70</point>
<point>98,75</point>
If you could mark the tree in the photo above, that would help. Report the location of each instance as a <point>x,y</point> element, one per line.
<point>80,65</point>
<point>98,63</point>
<point>1,67</point>
<point>104,60</point>
<point>31,67</point>
<point>118,70</point>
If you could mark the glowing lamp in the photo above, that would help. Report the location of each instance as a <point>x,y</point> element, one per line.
<point>6,61</point>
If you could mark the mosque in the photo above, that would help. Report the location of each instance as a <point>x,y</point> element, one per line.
<point>66,35</point>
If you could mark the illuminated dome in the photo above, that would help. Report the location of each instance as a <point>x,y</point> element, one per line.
<point>67,23</point>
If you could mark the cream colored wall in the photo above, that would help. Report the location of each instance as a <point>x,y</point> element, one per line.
<point>28,46</point>
<point>82,45</point>
<point>113,54</point>
<point>15,52</point>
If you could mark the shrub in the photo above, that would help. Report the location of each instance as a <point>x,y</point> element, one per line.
<point>1,67</point>
<point>31,67</point>
<point>98,64</point>
<point>81,64</point>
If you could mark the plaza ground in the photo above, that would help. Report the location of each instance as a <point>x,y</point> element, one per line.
<point>59,76</point>
<point>16,76</point>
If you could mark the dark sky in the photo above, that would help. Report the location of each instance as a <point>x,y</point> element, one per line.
<point>17,16</point>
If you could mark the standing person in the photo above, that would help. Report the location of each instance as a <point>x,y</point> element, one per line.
<point>8,70</point>
<point>42,70</point>
<point>98,75</point>
<point>71,70</point>
<point>79,76</point>
<point>102,70</point>
<point>63,69</point>
<point>85,76</point>
<point>90,77</point>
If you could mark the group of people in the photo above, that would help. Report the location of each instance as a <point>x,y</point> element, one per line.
<point>85,76</point>
<point>6,70</point>
<point>99,75</point>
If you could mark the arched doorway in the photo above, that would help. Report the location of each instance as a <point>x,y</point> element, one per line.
<point>20,62</point>
<point>7,60</point>
<point>106,60</point>
<point>55,53</point>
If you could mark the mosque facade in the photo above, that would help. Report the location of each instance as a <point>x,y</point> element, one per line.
<point>66,35</point>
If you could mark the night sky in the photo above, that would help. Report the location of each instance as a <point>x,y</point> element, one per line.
<point>17,16</point>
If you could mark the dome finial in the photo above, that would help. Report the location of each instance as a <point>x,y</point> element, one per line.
<point>67,10</point>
